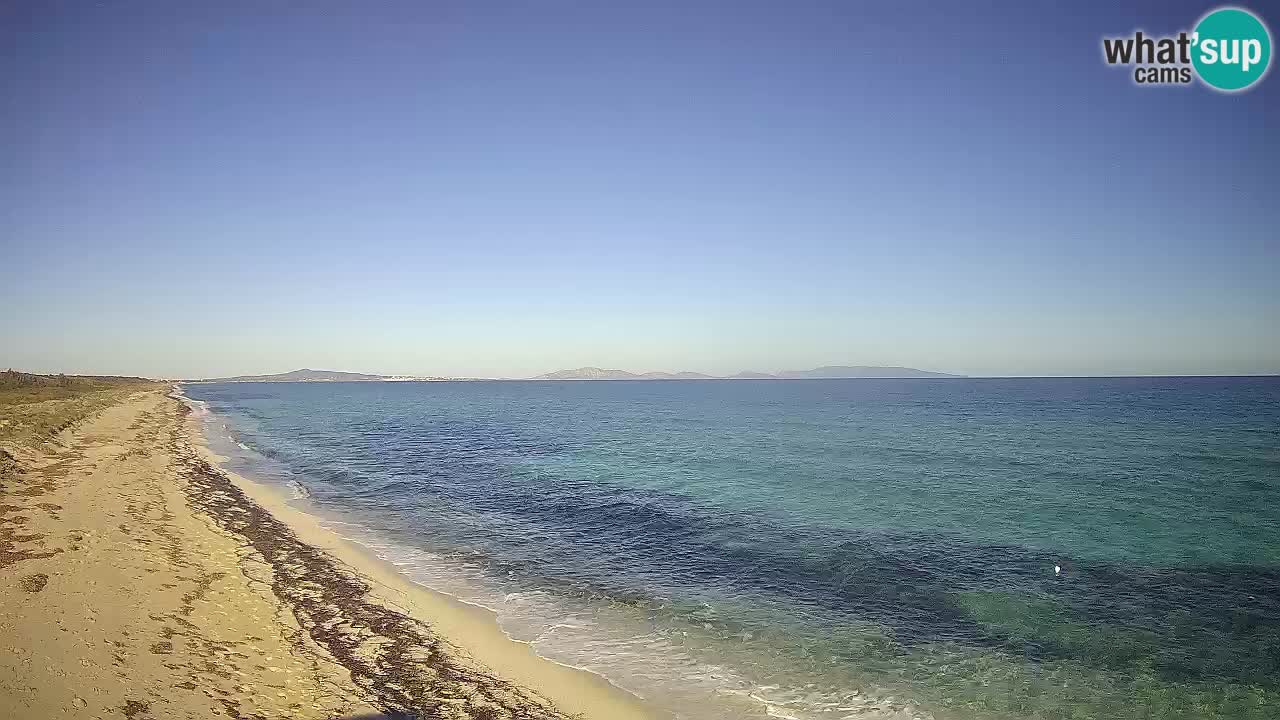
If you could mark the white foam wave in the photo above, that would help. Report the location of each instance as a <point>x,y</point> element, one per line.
<point>626,648</point>
<point>199,408</point>
<point>620,644</point>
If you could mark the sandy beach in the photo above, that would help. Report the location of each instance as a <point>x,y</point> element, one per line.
<point>139,580</point>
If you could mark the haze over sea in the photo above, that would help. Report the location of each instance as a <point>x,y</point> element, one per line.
<point>961,548</point>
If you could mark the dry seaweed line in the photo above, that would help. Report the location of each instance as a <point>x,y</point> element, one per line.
<point>408,670</point>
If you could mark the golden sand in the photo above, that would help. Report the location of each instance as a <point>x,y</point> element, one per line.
<point>139,580</point>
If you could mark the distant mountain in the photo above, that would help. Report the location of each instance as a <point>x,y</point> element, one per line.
<point>596,373</point>
<point>829,371</point>
<point>308,375</point>
<point>861,371</point>
<point>589,373</point>
<point>686,375</point>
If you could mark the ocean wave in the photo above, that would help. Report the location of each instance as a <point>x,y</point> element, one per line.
<point>733,555</point>
<point>624,646</point>
<point>199,408</point>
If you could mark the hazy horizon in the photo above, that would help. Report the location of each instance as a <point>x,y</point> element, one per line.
<point>641,371</point>
<point>481,190</point>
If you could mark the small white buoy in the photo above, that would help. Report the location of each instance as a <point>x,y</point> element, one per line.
<point>1057,570</point>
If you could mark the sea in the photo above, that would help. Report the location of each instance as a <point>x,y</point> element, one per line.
<point>821,549</point>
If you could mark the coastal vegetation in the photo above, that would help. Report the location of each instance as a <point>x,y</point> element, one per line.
<point>35,408</point>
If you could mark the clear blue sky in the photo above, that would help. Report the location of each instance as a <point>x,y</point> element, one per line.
<point>473,188</point>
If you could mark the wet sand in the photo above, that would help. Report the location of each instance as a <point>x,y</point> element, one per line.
<point>139,580</point>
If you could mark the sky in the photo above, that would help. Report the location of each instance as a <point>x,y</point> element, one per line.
<point>505,189</point>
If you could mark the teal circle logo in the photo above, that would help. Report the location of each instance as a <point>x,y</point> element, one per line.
<point>1231,49</point>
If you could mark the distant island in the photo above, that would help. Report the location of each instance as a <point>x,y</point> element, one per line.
<point>595,373</point>
<point>826,371</point>
<point>308,375</point>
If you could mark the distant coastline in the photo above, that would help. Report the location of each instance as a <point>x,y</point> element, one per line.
<point>832,372</point>
<point>308,375</point>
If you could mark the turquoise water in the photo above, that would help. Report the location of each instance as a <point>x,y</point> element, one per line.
<point>995,548</point>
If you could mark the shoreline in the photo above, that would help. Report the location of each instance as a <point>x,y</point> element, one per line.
<point>120,599</point>
<point>450,622</point>
<point>139,580</point>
